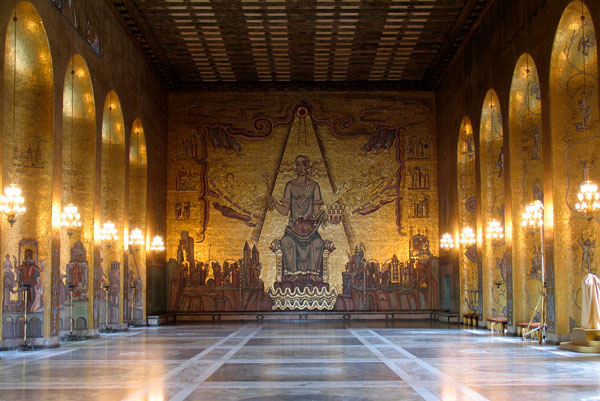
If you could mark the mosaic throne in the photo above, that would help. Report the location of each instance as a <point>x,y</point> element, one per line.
<point>302,294</point>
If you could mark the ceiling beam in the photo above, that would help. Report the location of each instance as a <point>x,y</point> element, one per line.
<point>148,35</point>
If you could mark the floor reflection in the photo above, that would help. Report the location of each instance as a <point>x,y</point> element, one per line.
<point>327,360</point>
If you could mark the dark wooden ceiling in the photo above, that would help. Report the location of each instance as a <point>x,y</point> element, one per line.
<point>398,43</point>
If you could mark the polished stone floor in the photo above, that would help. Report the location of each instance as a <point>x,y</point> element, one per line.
<point>313,360</point>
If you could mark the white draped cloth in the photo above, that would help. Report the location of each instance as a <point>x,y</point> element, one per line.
<point>590,297</point>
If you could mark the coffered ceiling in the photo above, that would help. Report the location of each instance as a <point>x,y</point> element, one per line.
<point>402,43</point>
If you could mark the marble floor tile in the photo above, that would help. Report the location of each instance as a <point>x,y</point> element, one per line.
<point>266,341</point>
<point>546,392</point>
<point>404,393</point>
<point>120,354</point>
<point>66,372</point>
<point>303,352</point>
<point>251,372</point>
<point>51,394</point>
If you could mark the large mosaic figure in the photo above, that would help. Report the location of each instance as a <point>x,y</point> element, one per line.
<point>301,245</point>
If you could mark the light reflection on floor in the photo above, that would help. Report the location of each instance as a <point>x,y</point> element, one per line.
<point>312,360</point>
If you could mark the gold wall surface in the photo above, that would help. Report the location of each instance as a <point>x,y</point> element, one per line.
<point>53,39</point>
<point>113,192</point>
<point>372,154</point>
<point>138,178</point>
<point>495,266</point>
<point>78,160</point>
<point>527,185</point>
<point>467,209</point>
<point>27,155</point>
<point>575,144</point>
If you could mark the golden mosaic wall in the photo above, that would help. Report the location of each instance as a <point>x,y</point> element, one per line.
<point>27,156</point>
<point>575,145</point>
<point>495,266</point>
<point>526,180</point>
<point>138,176</point>
<point>467,209</point>
<point>113,189</point>
<point>56,159</point>
<point>372,154</point>
<point>78,173</point>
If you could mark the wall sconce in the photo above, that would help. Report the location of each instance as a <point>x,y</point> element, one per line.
<point>136,238</point>
<point>108,233</point>
<point>70,219</point>
<point>157,244</point>
<point>447,242</point>
<point>467,237</point>
<point>494,231</point>
<point>588,199</point>
<point>12,203</point>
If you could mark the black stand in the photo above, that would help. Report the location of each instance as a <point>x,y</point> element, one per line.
<point>131,318</point>
<point>71,336</point>
<point>25,346</point>
<point>106,328</point>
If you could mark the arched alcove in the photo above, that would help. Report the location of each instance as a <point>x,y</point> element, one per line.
<point>575,151</point>
<point>467,209</point>
<point>27,144</point>
<point>527,185</point>
<point>495,266</point>
<point>112,201</point>
<point>78,157</point>
<point>138,179</point>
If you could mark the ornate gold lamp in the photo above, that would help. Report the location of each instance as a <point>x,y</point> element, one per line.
<point>136,238</point>
<point>70,219</point>
<point>533,216</point>
<point>447,242</point>
<point>157,244</point>
<point>589,198</point>
<point>12,203</point>
<point>467,237</point>
<point>108,233</point>
<point>494,231</point>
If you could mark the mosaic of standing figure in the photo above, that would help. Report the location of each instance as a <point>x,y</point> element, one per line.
<point>23,290</point>
<point>100,287</point>
<point>74,290</point>
<point>299,191</point>
<point>575,149</point>
<point>114,292</point>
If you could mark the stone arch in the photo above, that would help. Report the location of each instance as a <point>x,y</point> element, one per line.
<point>78,158</point>
<point>27,141</point>
<point>8,328</point>
<point>574,123</point>
<point>35,328</point>
<point>467,208</point>
<point>81,323</point>
<point>138,179</point>
<point>526,183</point>
<point>495,275</point>
<point>113,184</point>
